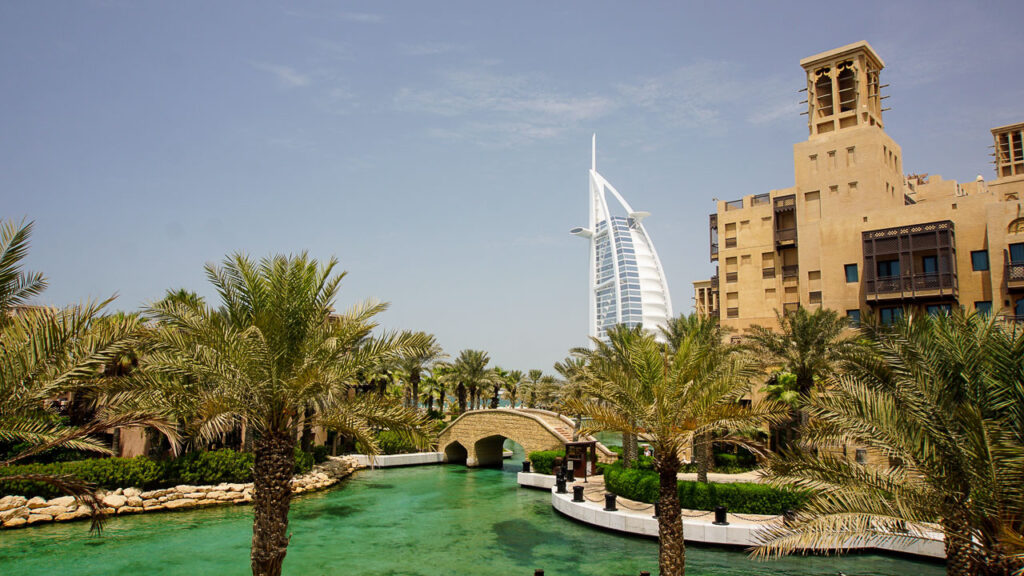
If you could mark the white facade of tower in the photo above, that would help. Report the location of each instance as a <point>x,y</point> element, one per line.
<point>627,283</point>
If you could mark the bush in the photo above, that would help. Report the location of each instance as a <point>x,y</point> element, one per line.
<point>197,468</point>
<point>320,454</point>
<point>743,498</point>
<point>544,461</point>
<point>393,442</point>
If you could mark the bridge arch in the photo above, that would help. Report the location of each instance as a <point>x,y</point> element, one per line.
<point>481,434</point>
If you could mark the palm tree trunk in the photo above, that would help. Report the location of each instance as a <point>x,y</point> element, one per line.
<point>440,403</point>
<point>956,543</point>
<point>430,403</point>
<point>671,546</point>
<point>629,450</point>
<point>461,391</point>
<point>272,495</point>
<point>702,455</point>
<point>414,381</point>
<point>495,397</point>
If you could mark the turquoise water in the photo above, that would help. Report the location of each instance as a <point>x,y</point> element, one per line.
<point>410,521</point>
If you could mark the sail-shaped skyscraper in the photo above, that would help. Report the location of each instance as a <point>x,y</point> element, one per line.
<point>627,283</point>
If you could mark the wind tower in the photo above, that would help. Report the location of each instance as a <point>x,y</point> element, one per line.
<point>627,282</point>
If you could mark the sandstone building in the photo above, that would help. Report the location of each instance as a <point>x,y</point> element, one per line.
<point>856,235</point>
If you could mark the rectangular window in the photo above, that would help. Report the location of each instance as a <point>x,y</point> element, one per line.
<point>1017,252</point>
<point>979,260</point>
<point>854,317</point>
<point>936,309</point>
<point>851,273</point>
<point>983,307</point>
<point>930,264</point>
<point>888,268</point>
<point>861,456</point>
<point>889,315</point>
<point>814,297</point>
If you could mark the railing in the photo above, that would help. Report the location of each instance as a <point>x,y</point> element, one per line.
<point>732,312</point>
<point>760,199</point>
<point>910,283</point>
<point>714,282</point>
<point>791,271</point>
<point>730,242</point>
<point>731,276</point>
<point>734,205</point>
<point>785,202</point>
<point>714,250</point>
<point>1014,274</point>
<point>785,235</point>
<point>768,273</point>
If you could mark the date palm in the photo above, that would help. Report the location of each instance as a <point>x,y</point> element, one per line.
<point>472,374</point>
<point>512,384</point>
<point>275,355</point>
<point>669,397</point>
<point>16,284</point>
<point>809,345</point>
<point>415,363</point>
<point>940,399</point>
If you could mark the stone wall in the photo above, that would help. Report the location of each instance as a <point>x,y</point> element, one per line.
<point>18,511</point>
<point>479,432</point>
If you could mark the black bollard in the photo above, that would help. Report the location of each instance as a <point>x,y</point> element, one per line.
<point>609,502</point>
<point>577,493</point>
<point>720,512</point>
<point>788,516</point>
<point>656,510</point>
<point>560,486</point>
<point>645,573</point>
<point>538,573</point>
<point>526,465</point>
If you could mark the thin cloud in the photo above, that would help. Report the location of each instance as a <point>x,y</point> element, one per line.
<point>429,48</point>
<point>285,75</point>
<point>364,17</point>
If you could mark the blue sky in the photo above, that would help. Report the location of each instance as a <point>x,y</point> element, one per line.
<point>440,149</point>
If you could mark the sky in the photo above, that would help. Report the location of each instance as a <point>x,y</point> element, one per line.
<point>440,149</point>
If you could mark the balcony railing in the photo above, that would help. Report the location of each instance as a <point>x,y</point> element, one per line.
<point>767,273</point>
<point>734,205</point>
<point>714,282</point>
<point>760,199</point>
<point>785,235</point>
<point>1014,274</point>
<point>908,285</point>
<point>791,271</point>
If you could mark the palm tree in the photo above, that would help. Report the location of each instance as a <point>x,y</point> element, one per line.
<point>940,399</point>
<point>274,350</point>
<point>471,372</point>
<point>416,362</point>
<point>16,285</point>
<point>532,387</point>
<point>710,334</point>
<point>668,398</point>
<point>513,380</point>
<point>810,345</point>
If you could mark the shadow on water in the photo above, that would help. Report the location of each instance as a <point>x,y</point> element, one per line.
<point>517,539</point>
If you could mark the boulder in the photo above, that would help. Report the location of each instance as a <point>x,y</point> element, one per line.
<point>129,509</point>
<point>133,501</point>
<point>37,502</point>
<point>130,492</point>
<point>11,514</point>
<point>207,502</point>
<point>38,518</point>
<point>119,492</point>
<point>180,503</point>
<point>153,508</point>
<point>15,523</point>
<point>184,489</point>
<point>115,501</point>
<point>216,495</point>
<point>197,495</point>
<point>51,510</point>
<point>62,501</point>
<point>9,502</point>
<point>236,487</point>
<point>65,517</point>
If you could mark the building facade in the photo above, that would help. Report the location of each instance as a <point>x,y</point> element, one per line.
<point>854,234</point>
<point>627,283</point>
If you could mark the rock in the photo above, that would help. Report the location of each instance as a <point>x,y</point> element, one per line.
<point>129,509</point>
<point>131,492</point>
<point>180,503</point>
<point>15,523</point>
<point>236,487</point>
<point>196,495</point>
<point>11,514</point>
<point>9,502</point>
<point>154,508</point>
<point>207,502</point>
<point>62,501</point>
<point>134,501</point>
<point>119,492</point>
<point>38,518</point>
<point>108,511</point>
<point>115,501</point>
<point>51,510</point>
<point>232,496</point>
<point>171,496</point>
<point>65,517</point>
<point>37,502</point>
<point>184,489</point>
<point>216,495</point>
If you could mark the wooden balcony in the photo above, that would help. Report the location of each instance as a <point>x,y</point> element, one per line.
<point>790,272</point>
<point>1014,275</point>
<point>911,286</point>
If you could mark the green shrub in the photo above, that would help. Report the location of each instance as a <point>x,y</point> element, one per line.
<point>393,442</point>
<point>743,498</point>
<point>109,473</point>
<point>303,461</point>
<point>209,467</point>
<point>320,454</point>
<point>544,461</point>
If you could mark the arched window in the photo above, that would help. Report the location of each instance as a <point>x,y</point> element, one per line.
<point>1016,227</point>
<point>823,92</point>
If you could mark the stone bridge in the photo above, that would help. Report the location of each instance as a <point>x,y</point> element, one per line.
<point>476,437</point>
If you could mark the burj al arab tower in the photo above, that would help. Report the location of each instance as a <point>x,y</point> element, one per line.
<point>627,283</point>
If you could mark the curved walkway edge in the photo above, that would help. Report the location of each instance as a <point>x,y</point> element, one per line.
<point>736,533</point>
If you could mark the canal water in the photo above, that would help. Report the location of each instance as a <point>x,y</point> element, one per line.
<point>430,520</point>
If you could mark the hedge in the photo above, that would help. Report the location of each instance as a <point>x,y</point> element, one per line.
<point>544,461</point>
<point>744,498</point>
<point>205,467</point>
